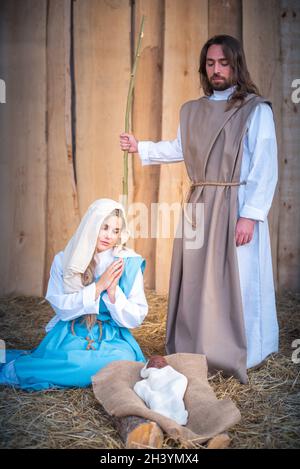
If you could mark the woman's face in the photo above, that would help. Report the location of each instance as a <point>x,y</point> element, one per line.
<point>109,233</point>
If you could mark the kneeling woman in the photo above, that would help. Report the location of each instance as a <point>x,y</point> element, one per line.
<point>96,290</point>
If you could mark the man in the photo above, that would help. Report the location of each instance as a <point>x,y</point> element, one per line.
<point>221,297</point>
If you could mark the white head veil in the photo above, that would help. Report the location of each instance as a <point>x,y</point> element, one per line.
<point>81,247</point>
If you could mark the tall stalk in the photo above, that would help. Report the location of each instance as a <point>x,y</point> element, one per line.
<point>129,112</point>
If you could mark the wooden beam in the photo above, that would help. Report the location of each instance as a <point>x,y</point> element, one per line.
<point>261,36</point>
<point>23,146</point>
<point>102,74</point>
<point>225,17</point>
<point>289,226</point>
<point>139,433</point>
<point>185,33</point>
<point>147,119</point>
<point>62,204</point>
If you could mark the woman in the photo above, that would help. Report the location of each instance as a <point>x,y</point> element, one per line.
<point>96,290</point>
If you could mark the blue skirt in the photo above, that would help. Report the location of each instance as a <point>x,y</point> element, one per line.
<point>70,355</point>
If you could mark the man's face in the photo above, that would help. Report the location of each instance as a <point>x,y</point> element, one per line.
<point>218,70</point>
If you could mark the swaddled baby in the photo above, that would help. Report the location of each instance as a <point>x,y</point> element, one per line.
<point>163,389</point>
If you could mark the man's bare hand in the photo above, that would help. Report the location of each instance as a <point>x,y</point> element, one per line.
<point>244,231</point>
<point>129,143</point>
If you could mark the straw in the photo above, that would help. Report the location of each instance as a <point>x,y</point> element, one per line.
<point>72,418</point>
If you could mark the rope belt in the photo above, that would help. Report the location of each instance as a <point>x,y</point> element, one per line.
<point>211,183</point>
<point>203,184</point>
<point>90,341</point>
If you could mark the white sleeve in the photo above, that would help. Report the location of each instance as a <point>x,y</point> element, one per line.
<point>72,282</point>
<point>70,306</point>
<point>129,312</point>
<point>165,151</point>
<point>262,178</point>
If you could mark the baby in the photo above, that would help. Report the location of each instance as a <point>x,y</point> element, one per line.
<point>163,389</point>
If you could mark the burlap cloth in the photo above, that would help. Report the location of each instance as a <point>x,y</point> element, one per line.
<point>208,416</point>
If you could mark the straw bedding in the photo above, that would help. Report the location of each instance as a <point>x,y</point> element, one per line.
<point>270,403</point>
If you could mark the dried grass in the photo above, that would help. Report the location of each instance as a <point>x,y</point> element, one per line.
<point>270,403</point>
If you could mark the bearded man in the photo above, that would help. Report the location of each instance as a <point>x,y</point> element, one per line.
<point>221,296</point>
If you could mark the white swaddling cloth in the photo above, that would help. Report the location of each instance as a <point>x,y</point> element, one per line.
<point>162,390</point>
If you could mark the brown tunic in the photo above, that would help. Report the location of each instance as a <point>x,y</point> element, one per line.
<point>205,313</point>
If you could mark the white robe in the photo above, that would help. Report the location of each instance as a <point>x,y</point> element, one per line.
<point>259,170</point>
<point>126,312</point>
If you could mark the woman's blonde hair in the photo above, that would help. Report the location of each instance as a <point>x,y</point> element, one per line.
<point>88,276</point>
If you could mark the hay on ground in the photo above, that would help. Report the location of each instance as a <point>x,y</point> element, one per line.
<point>270,403</point>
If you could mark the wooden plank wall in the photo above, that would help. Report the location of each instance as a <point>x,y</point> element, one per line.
<point>23,157</point>
<point>225,17</point>
<point>289,216</point>
<point>185,29</point>
<point>60,125</point>
<point>61,187</point>
<point>102,73</point>
<point>259,38</point>
<point>147,119</point>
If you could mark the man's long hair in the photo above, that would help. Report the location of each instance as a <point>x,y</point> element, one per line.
<point>234,53</point>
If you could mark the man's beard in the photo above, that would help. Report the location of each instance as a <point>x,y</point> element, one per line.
<point>221,85</point>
